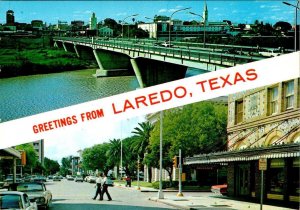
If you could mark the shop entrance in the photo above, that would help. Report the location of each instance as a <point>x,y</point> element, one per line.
<point>243,179</point>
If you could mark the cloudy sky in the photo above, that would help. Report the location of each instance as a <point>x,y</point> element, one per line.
<point>236,11</point>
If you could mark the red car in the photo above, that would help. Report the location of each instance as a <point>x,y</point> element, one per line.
<point>219,189</point>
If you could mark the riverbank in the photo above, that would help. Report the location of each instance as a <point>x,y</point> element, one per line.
<point>14,62</point>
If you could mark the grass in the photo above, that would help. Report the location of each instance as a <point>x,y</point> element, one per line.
<point>134,183</point>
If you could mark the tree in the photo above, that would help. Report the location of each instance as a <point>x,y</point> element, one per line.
<point>142,134</point>
<point>65,165</point>
<point>51,166</point>
<point>31,157</point>
<point>94,158</point>
<point>283,26</point>
<point>195,128</point>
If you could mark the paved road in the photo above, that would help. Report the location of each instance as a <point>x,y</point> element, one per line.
<point>77,196</point>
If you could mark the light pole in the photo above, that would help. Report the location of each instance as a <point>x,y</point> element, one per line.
<point>171,20</point>
<point>160,192</point>
<point>123,23</point>
<point>296,8</point>
<point>204,26</point>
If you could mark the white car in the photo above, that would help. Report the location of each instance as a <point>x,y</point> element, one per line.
<point>78,179</point>
<point>36,192</point>
<point>16,200</point>
<point>166,44</point>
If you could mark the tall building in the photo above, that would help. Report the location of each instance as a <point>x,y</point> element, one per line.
<point>93,22</point>
<point>10,18</point>
<point>39,148</point>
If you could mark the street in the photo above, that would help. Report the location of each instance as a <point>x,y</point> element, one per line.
<point>77,195</point>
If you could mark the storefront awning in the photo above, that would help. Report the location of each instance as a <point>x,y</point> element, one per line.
<point>275,151</point>
<point>9,153</point>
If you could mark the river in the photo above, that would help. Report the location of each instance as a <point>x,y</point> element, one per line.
<point>28,95</point>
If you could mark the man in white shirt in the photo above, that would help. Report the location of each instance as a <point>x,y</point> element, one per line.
<point>98,186</point>
<point>104,188</point>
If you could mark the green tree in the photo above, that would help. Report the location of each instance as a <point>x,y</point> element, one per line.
<point>31,157</point>
<point>65,165</point>
<point>283,26</point>
<point>51,166</point>
<point>94,158</point>
<point>142,134</point>
<point>195,128</point>
<point>113,153</point>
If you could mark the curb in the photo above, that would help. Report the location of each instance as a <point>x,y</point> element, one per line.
<point>170,204</point>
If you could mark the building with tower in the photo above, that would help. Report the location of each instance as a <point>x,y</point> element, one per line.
<point>10,18</point>
<point>93,22</point>
<point>160,27</point>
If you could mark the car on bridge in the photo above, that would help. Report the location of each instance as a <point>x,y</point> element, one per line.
<point>166,44</point>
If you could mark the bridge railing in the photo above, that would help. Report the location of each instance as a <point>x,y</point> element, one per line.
<point>187,54</point>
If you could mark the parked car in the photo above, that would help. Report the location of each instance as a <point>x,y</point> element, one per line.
<point>56,178</point>
<point>70,178</point>
<point>16,200</point>
<point>36,192</point>
<point>39,179</point>
<point>219,189</point>
<point>9,180</point>
<point>78,179</point>
<point>91,179</point>
<point>109,182</point>
<point>50,177</point>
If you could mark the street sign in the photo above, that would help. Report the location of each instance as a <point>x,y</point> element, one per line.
<point>262,164</point>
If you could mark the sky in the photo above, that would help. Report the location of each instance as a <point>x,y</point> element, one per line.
<point>236,11</point>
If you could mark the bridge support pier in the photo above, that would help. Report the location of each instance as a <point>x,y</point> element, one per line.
<point>137,72</point>
<point>75,48</point>
<point>65,48</point>
<point>99,72</point>
<point>152,72</point>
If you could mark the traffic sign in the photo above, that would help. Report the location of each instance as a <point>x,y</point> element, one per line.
<point>262,164</point>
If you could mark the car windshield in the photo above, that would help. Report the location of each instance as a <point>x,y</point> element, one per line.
<point>10,201</point>
<point>29,187</point>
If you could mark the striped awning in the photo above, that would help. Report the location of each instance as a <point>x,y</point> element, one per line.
<point>276,151</point>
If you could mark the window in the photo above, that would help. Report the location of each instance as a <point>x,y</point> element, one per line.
<point>239,111</point>
<point>274,100</point>
<point>289,95</point>
<point>276,178</point>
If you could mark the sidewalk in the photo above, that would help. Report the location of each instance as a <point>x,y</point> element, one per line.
<point>203,201</point>
<point>211,203</point>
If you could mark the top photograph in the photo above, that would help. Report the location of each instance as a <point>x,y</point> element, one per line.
<point>55,54</point>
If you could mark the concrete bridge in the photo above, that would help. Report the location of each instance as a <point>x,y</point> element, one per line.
<point>151,64</point>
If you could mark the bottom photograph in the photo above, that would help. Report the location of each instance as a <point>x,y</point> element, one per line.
<point>233,152</point>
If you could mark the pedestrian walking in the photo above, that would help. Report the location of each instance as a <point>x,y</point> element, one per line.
<point>128,181</point>
<point>98,186</point>
<point>104,188</point>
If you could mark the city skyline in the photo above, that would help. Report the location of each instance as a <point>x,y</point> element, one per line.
<point>236,11</point>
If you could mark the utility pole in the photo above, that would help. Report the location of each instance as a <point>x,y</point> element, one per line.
<point>179,194</point>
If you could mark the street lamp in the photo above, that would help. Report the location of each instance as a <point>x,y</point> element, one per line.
<point>296,8</point>
<point>123,23</point>
<point>204,26</point>
<point>171,20</point>
<point>160,192</point>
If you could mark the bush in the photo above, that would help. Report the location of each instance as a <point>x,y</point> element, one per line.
<point>165,184</point>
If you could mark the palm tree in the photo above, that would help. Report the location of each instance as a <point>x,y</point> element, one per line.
<point>140,145</point>
<point>113,154</point>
